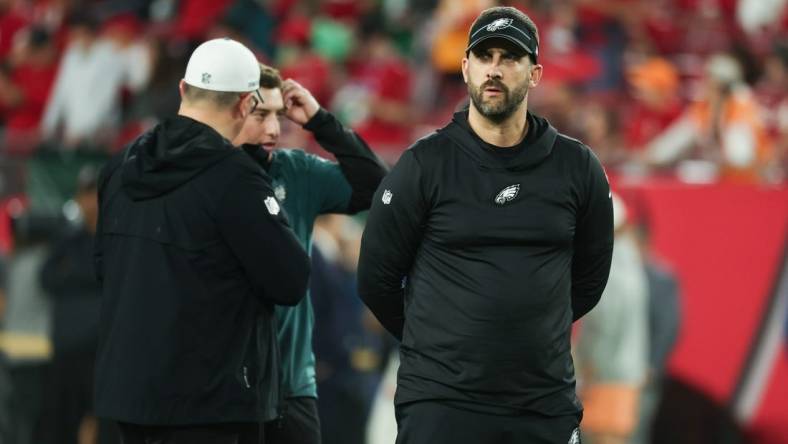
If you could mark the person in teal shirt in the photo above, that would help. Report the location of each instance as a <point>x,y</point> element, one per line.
<point>306,186</point>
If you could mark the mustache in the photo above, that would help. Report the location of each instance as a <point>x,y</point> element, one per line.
<point>494,84</point>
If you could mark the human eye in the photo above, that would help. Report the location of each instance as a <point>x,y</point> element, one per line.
<point>483,55</point>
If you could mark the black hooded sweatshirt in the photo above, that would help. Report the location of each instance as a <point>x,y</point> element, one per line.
<point>192,249</point>
<point>479,259</point>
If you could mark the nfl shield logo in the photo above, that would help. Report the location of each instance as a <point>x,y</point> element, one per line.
<point>386,198</point>
<point>272,205</point>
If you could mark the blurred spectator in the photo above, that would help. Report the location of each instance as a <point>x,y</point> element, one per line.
<point>69,279</point>
<point>348,354</point>
<point>612,349</point>
<point>724,127</point>
<point>452,20</point>
<point>664,318</point>
<point>95,69</point>
<point>446,39</point>
<point>570,57</point>
<point>772,92</point>
<point>344,9</point>
<point>599,130</point>
<point>299,61</point>
<point>601,32</point>
<point>25,89</point>
<point>380,91</point>
<point>754,15</point>
<point>254,21</point>
<point>195,17</point>
<point>12,20</point>
<point>25,341</point>
<point>655,88</point>
<point>332,39</point>
<point>707,26</point>
<point>160,98</point>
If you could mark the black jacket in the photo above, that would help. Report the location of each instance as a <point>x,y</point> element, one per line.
<point>191,248</point>
<point>479,263</point>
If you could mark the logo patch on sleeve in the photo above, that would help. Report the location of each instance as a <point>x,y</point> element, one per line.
<point>386,198</point>
<point>507,194</point>
<point>272,205</point>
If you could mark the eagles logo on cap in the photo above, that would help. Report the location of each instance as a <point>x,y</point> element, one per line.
<point>505,23</point>
<point>499,24</point>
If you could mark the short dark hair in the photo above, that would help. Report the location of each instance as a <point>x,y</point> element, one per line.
<point>269,77</point>
<point>221,99</point>
<point>508,11</point>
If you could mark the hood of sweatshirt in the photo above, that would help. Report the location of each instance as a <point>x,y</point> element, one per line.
<point>541,145</point>
<point>173,153</point>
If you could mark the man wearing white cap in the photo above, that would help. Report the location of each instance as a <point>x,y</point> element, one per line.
<point>193,251</point>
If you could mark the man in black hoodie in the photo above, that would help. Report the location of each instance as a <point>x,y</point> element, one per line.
<point>483,245</point>
<point>192,249</point>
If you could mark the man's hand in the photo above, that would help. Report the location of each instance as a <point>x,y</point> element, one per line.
<point>300,106</point>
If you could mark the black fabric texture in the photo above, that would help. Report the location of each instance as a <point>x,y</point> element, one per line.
<point>192,251</point>
<point>480,264</point>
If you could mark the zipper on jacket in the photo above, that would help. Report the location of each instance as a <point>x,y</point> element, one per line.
<point>246,377</point>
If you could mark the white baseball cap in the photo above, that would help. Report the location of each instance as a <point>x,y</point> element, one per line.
<point>223,65</point>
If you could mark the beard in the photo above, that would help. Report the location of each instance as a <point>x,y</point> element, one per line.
<point>497,109</point>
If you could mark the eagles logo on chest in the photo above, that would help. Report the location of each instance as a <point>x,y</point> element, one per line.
<point>507,194</point>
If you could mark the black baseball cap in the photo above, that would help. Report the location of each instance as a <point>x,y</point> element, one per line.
<point>507,26</point>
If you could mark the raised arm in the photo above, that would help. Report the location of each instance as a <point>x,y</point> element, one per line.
<point>362,169</point>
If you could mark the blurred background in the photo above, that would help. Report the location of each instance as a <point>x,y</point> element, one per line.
<point>684,101</point>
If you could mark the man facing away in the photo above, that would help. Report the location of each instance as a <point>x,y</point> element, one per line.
<point>483,245</point>
<point>193,250</point>
<point>307,186</point>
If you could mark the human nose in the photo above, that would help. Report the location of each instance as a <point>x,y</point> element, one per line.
<point>494,69</point>
<point>272,129</point>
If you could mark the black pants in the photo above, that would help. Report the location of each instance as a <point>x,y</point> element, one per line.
<point>433,422</point>
<point>300,423</point>
<point>231,433</point>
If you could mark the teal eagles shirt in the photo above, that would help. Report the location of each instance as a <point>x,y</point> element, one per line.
<point>307,186</point>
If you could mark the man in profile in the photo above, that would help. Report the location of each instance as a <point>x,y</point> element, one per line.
<point>192,247</point>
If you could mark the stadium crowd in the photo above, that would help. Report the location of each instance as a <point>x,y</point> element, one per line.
<point>691,89</point>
